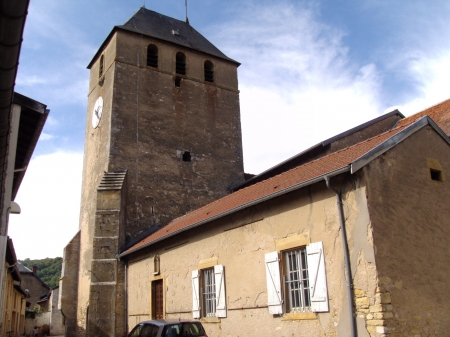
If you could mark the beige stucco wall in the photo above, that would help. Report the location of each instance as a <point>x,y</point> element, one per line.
<point>239,242</point>
<point>410,220</point>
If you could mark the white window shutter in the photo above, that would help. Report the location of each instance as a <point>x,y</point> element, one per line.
<point>221,300</point>
<point>273,283</point>
<point>317,277</point>
<point>195,295</point>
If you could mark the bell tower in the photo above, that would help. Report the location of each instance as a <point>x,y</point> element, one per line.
<point>163,137</point>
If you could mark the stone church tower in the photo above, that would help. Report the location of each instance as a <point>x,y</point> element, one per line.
<point>163,137</point>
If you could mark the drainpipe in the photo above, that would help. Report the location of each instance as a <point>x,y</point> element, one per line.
<point>346,257</point>
<point>125,315</point>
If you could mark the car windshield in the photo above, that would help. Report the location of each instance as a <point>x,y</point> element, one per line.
<point>194,329</point>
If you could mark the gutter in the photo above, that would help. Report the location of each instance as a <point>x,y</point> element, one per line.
<point>348,272</point>
<point>243,206</point>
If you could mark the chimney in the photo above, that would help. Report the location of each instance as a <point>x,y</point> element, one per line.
<point>34,270</point>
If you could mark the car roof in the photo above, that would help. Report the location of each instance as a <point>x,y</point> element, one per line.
<point>162,322</point>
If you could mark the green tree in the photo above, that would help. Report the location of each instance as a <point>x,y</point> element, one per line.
<point>49,269</point>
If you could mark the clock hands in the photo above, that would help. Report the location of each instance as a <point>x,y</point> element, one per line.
<point>97,112</point>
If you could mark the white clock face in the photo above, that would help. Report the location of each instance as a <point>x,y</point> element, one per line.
<point>97,112</point>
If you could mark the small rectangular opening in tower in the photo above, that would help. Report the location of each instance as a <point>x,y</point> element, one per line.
<point>436,175</point>
<point>186,156</point>
<point>178,81</point>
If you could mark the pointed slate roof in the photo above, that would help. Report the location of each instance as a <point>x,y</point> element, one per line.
<point>162,27</point>
<point>350,159</point>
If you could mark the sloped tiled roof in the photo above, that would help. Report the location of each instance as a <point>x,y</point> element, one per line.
<point>162,27</point>
<point>440,113</point>
<point>310,172</point>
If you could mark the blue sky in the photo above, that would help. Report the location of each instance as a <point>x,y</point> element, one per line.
<point>310,69</point>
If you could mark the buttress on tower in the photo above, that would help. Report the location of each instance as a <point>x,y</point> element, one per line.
<point>163,137</point>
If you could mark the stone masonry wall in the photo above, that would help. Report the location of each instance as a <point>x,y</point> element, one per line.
<point>68,285</point>
<point>156,122</point>
<point>409,215</point>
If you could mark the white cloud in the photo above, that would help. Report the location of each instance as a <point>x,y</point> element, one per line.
<point>46,136</point>
<point>433,77</point>
<point>30,80</point>
<point>50,201</point>
<point>297,84</point>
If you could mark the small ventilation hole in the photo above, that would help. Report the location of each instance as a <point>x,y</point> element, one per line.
<point>178,81</point>
<point>187,156</point>
<point>436,175</point>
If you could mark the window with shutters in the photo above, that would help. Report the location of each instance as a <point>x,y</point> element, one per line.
<point>208,292</point>
<point>296,280</point>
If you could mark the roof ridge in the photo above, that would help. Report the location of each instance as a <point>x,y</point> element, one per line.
<point>430,107</point>
<point>326,156</point>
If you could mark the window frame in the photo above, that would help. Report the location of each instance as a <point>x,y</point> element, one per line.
<point>208,293</point>
<point>298,293</point>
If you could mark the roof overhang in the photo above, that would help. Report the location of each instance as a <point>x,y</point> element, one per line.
<point>394,140</point>
<point>12,22</point>
<point>33,115</point>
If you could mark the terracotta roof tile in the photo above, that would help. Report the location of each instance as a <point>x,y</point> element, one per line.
<point>439,113</point>
<point>283,181</point>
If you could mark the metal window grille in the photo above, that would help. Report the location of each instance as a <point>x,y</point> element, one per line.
<point>209,293</point>
<point>296,280</point>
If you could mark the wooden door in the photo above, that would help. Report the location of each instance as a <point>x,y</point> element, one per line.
<point>157,300</point>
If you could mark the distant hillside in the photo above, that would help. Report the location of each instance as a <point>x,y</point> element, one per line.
<point>49,270</point>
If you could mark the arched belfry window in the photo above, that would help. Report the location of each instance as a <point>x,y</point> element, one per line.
<point>101,66</point>
<point>209,71</point>
<point>180,63</point>
<point>152,56</point>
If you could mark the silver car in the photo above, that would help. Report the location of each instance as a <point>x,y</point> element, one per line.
<point>168,328</point>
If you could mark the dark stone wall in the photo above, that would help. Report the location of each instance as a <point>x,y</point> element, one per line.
<point>155,122</point>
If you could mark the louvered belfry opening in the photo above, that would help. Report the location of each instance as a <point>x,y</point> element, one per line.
<point>152,56</point>
<point>209,71</point>
<point>181,63</point>
<point>101,66</point>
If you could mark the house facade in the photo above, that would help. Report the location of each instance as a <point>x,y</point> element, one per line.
<point>15,296</point>
<point>264,262</point>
